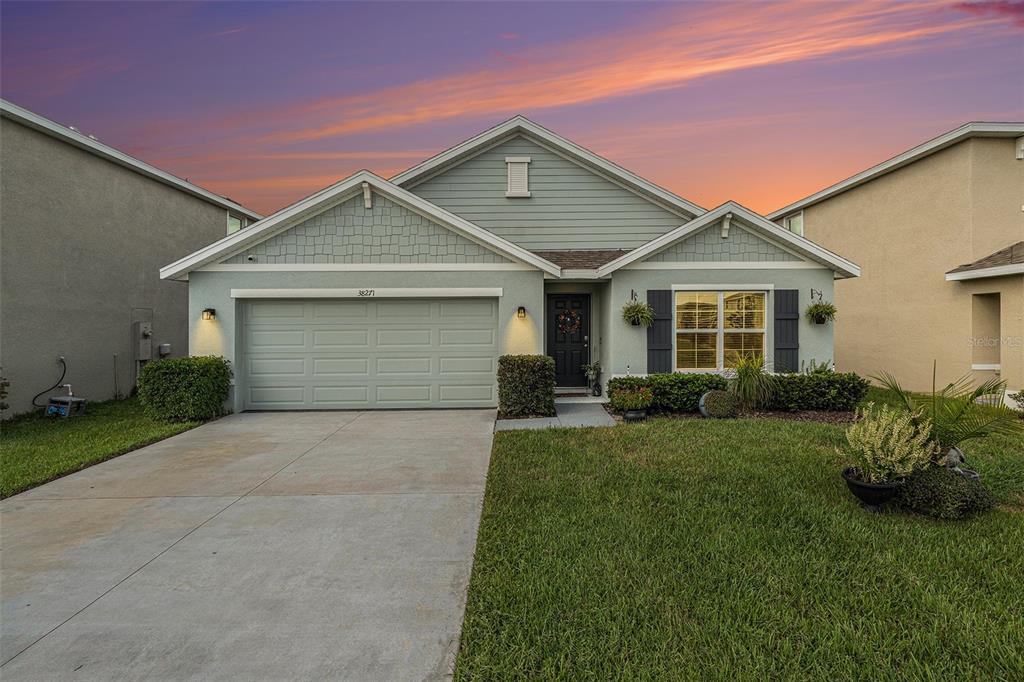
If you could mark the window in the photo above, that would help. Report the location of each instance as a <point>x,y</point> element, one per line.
<point>715,328</point>
<point>795,223</point>
<point>518,176</point>
<point>235,223</point>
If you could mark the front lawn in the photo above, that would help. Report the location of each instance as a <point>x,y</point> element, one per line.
<point>690,549</point>
<point>36,449</point>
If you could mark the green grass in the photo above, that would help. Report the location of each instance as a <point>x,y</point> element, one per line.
<point>691,549</point>
<point>36,450</point>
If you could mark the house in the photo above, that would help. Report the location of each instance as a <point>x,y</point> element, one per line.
<point>377,293</point>
<point>85,228</point>
<point>938,230</point>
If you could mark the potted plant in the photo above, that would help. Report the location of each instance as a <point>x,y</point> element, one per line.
<point>821,312</point>
<point>953,415</point>
<point>593,372</point>
<point>886,445</point>
<point>633,403</point>
<point>638,314</point>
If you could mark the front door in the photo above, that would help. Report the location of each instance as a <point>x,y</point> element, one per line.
<point>568,340</point>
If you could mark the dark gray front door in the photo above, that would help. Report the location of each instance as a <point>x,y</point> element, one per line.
<point>568,335</point>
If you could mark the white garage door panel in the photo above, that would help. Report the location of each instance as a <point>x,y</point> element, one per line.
<point>356,354</point>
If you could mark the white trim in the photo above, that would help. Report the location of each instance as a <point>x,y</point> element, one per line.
<point>803,246</point>
<point>986,366</point>
<point>521,124</point>
<point>288,217</point>
<point>722,287</point>
<point>721,330</point>
<point>369,292</point>
<point>725,265</point>
<point>517,159</point>
<point>82,141</point>
<point>948,139</point>
<point>364,267</point>
<point>581,273</point>
<point>995,271</point>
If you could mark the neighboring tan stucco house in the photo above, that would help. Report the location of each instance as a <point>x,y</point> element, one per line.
<point>377,293</point>
<point>912,222</point>
<point>83,231</point>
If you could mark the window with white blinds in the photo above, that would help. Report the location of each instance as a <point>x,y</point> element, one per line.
<point>518,176</point>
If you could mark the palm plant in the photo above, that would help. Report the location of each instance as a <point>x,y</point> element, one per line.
<point>952,415</point>
<point>751,384</point>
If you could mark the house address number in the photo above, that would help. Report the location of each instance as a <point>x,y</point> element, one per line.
<point>366,292</point>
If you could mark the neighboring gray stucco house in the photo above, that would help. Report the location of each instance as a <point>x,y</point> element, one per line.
<point>374,293</point>
<point>83,231</point>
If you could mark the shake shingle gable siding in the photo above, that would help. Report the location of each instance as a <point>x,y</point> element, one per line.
<point>708,245</point>
<point>351,233</point>
<point>570,207</point>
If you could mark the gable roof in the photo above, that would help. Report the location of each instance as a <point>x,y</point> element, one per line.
<point>75,138</point>
<point>1008,261</point>
<point>760,224</point>
<point>520,125</point>
<point>342,190</point>
<point>948,139</point>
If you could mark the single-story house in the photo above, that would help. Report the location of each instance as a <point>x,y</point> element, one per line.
<point>401,293</point>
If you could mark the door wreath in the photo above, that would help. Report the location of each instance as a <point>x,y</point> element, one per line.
<point>568,321</point>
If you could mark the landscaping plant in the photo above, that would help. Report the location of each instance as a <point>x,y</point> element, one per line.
<point>951,415</point>
<point>638,313</point>
<point>185,389</point>
<point>887,444</point>
<point>526,386</point>
<point>627,400</point>
<point>821,312</point>
<point>721,404</point>
<point>943,493</point>
<point>672,393</point>
<point>752,385</point>
<point>819,388</point>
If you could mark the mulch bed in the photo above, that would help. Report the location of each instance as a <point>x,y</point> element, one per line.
<point>804,416</point>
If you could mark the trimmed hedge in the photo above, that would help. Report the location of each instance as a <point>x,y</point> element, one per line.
<point>828,391</point>
<point>942,493</point>
<point>671,392</point>
<point>185,389</point>
<point>526,386</point>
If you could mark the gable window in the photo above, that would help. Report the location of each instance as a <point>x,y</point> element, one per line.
<point>795,223</point>
<point>716,328</point>
<point>235,223</point>
<point>518,176</point>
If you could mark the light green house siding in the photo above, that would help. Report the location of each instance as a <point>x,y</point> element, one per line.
<point>570,207</point>
<point>708,245</point>
<point>629,343</point>
<point>386,233</point>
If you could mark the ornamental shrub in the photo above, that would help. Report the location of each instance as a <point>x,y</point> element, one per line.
<point>818,390</point>
<point>721,404</point>
<point>672,392</point>
<point>886,445</point>
<point>185,389</point>
<point>625,399</point>
<point>526,386</point>
<point>942,493</point>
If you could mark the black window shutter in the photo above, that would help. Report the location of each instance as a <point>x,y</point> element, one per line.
<point>787,330</point>
<point>659,334</point>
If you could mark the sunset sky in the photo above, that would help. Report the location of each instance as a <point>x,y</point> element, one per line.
<point>754,101</point>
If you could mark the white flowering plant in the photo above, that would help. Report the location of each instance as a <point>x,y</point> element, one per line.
<point>887,444</point>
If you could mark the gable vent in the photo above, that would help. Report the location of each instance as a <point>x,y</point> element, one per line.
<point>518,176</point>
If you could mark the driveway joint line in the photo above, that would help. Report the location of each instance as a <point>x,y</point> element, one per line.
<point>174,544</point>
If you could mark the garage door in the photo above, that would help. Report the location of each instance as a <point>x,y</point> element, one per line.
<point>360,354</point>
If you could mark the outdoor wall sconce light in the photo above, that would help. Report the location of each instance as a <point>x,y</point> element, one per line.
<point>209,313</point>
<point>521,313</point>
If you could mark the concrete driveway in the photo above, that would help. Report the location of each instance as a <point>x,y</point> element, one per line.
<point>327,545</point>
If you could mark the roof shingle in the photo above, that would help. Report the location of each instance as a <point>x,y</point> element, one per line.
<point>581,259</point>
<point>1011,255</point>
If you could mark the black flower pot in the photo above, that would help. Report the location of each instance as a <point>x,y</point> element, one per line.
<point>819,319</point>
<point>635,323</point>
<point>635,415</point>
<point>871,495</point>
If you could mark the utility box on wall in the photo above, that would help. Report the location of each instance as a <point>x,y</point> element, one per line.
<point>142,332</point>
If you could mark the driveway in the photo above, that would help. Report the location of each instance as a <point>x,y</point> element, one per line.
<point>319,545</point>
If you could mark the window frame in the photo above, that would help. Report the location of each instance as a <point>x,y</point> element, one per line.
<point>721,330</point>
